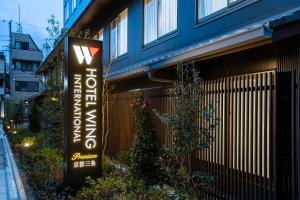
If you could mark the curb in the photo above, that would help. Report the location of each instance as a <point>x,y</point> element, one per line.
<point>14,182</point>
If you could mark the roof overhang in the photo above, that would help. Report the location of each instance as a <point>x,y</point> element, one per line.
<point>239,40</point>
<point>286,27</point>
<point>90,13</point>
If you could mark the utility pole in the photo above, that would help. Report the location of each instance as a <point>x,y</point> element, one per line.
<point>7,73</point>
<point>10,45</point>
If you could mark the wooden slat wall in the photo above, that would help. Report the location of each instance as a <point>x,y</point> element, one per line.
<point>296,129</point>
<point>241,158</point>
<point>295,133</point>
<point>289,63</point>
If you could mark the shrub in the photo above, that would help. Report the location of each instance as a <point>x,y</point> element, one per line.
<point>121,187</point>
<point>19,113</point>
<point>34,118</point>
<point>123,157</point>
<point>189,108</point>
<point>9,113</point>
<point>46,172</point>
<point>107,168</point>
<point>103,188</point>
<point>137,189</point>
<point>52,118</point>
<point>145,151</point>
<point>43,166</point>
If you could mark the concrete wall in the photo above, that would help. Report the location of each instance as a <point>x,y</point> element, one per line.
<point>23,76</point>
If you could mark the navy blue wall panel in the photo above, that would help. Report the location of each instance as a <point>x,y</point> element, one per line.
<point>189,31</point>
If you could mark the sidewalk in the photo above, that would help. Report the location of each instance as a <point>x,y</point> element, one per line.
<point>11,187</point>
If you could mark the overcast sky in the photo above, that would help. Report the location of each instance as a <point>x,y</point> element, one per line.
<point>34,15</point>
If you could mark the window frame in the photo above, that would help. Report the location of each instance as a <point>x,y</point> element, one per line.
<point>121,56</point>
<point>67,11</point>
<point>161,38</point>
<point>22,44</point>
<point>72,6</point>
<point>231,7</point>
<point>17,89</point>
<point>96,36</point>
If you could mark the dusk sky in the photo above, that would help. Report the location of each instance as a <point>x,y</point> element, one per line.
<point>34,15</point>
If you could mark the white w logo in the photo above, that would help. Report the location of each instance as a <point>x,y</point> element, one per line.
<point>83,52</point>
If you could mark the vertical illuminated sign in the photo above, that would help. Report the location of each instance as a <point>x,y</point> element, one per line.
<point>82,110</point>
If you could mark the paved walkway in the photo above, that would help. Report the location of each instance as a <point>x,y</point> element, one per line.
<point>11,187</point>
<point>3,182</point>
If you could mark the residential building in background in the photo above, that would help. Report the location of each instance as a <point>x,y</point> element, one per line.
<point>247,53</point>
<point>26,58</point>
<point>2,83</point>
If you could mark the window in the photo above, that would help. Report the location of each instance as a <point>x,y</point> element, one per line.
<point>118,35</point>
<point>207,7</point>
<point>73,5</point>
<point>66,10</point>
<point>99,35</point>
<point>22,45</point>
<point>27,86</point>
<point>160,18</point>
<point>26,66</point>
<point>18,65</point>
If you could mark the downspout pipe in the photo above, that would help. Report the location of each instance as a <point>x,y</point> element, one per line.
<point>151,77</point>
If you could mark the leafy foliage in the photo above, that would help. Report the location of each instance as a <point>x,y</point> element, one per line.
<point>123,157</point>
<point>145,150</point>
<point>121,187</point>
<point>9,115</point>
<point>19,113</point>
<point>52,119</point>
<point>34,118</point>
<point>52,105</point>
<point>43,166</point>
<point>189,138</point>
<point>107,168</point>
<point>54,32</point>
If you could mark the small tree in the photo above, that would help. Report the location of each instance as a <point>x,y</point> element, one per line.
<point>107,103</point>
<point>34,118</point>
<point>52,104</point>
<point>19,113</point>
<point>189,138</point>
<point>54,32</point>
<point>8,114</point>
<point>145,151</point>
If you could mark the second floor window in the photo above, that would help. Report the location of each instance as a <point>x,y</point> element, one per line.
<point>160,18</point>
<point>207,7</point>
<point>26,66</point>
<point>119,35</point>
<point>22,45</point>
